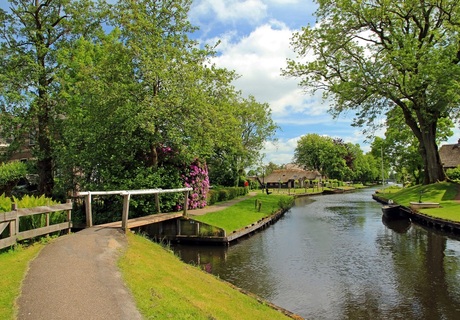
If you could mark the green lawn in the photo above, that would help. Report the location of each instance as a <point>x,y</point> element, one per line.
<point>443,192</point>
<point>13,265</point>
<point>245,212</point>
<point>166,288</point>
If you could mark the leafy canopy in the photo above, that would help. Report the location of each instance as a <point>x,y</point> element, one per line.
<point>375,56</point>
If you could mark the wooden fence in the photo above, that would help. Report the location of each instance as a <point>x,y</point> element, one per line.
<point>11,220</point>
<point>126,198</point>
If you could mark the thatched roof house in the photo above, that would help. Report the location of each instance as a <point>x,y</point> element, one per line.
<point>450,155</point>
<point>287,178</point>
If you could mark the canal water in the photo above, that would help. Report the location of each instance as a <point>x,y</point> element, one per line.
<point>332,257</point>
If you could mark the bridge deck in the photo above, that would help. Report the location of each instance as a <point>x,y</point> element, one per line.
<point>142,221</point>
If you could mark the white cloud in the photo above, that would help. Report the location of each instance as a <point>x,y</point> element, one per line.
<point>259,58</point>
<point>230,10</point>
<point>279,152</point>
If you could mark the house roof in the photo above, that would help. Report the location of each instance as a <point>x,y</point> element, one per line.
<point>285,175</point>
<point>450,155</point>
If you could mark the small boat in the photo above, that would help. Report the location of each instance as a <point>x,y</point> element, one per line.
<point>422,205</point>
<point>392,211</point>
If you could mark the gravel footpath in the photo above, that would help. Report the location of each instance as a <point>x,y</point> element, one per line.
<point>76,277</point>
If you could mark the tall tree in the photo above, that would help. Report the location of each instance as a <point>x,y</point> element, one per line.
<point>400,145</point>
<point>315,152</point>
<point>380,55</point>
<point>31,35</point>
<point>252,125</point>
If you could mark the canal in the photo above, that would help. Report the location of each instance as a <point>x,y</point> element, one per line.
<point>332,257</point>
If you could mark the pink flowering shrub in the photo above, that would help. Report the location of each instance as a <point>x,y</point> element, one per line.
<point>196,177</point>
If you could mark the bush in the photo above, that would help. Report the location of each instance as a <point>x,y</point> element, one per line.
<point>285,203</point>
<point>223,195</point>
<point>213,197</point>
<point>10,174</point>
<point>454,174</point>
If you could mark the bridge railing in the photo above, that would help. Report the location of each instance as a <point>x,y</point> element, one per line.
<point>126,198</point>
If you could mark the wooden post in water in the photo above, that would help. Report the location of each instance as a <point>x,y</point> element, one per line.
<point>89,214</point>
<point>125,214</point>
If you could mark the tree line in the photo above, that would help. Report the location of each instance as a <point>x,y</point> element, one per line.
<point>336,159</point>
<point>119,96</point>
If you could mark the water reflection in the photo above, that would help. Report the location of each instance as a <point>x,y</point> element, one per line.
<point>331,257</point>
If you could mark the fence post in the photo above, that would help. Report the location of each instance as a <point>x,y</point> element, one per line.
<point>185,202</point>
<point>14,224</point>
<point>69,216</point>
<point>89,214</point>
<point>157,202</point>
<point>124,217</point>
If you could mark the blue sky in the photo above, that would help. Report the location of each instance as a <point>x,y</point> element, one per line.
<point>255,42</point>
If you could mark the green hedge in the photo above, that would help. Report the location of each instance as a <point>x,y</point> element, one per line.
<point>223,194</point>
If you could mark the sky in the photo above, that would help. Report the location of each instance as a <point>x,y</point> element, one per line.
<point>254,40</point>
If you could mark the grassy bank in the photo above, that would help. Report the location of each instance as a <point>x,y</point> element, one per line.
<point>444,193</point>
<point>166,288</point>
<point>13,265</point>
<point>245,212</point>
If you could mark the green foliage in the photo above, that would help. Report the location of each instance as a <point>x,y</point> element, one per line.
<point>34,221</point>
<point>223,194</point>
<point>323,154</point>
<point>213,197</point>
<point>10,174</point>
<point>5,203</point>
<point>285,203</point>
<point>144,81</point>
<point>454,174</point>
<point>374,57</point>
<point>37,220</point>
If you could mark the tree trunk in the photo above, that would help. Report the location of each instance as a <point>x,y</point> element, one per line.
<point>45,158</point>
<point>431,161</point>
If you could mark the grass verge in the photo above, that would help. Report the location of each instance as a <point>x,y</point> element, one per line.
<point>444,193</point>
<point>245,212</point>
<point>166,288</point>
<point>13,265</point>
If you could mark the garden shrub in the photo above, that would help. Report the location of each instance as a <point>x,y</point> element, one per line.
<point>223,195</point>
<point>196,177</point>
<point>5,203</point>
<point>285,203</point>
<point>213,197</point>
<point>454,174</point>
<point>10,174</point>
